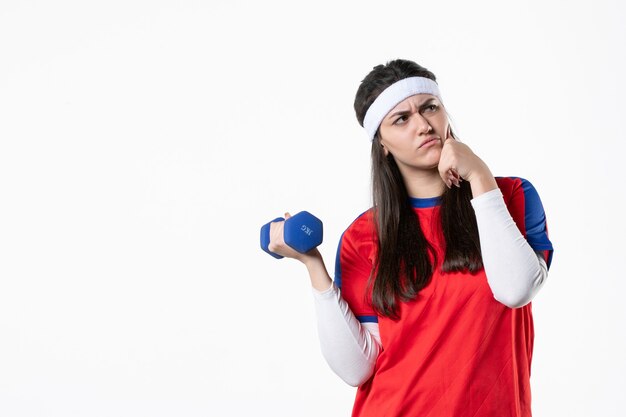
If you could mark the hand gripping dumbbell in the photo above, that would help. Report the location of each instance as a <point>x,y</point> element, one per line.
<point>302,232</point>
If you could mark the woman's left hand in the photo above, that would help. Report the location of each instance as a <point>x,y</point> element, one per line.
<point>458,162</point>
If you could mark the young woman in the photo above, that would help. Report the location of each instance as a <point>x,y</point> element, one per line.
<point>429,312</point>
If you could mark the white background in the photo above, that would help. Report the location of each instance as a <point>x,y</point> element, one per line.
<point>144,143</point>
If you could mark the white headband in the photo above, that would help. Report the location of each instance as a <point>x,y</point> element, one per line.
<point>394,94</point>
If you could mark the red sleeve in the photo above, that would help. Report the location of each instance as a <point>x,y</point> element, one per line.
<point>353,265</point>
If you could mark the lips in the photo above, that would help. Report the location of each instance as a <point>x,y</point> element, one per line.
<point>430,139</point>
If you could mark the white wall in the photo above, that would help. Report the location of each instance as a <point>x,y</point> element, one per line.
<point>144,143</point>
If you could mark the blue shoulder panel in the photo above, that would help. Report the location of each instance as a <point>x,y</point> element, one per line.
<point>337,279</point>
<point>367,319</point>
<point>535,220</point>
<point>338,264</point>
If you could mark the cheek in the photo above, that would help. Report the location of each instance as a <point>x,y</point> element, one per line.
<point>400,149</point>
<point>438,119</point>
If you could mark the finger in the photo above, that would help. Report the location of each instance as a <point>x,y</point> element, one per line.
<point>287,215</point>
<point>276,227</point>
<point>454,176</point>
<point>276,236</point>
<point>453,179</point>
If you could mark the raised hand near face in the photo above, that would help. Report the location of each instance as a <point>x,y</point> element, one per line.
<point>458,162</point>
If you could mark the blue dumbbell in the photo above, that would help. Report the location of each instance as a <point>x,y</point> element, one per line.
<point>302,232</point>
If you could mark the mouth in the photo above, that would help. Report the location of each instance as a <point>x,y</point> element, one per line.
<point>433,138</point>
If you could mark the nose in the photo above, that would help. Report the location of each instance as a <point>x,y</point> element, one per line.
<point>422,124</point>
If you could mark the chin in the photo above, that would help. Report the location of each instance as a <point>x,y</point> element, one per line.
<point>433,163</point>
<point>425,167</point>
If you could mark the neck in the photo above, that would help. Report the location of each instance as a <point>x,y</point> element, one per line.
<point>424,184</point>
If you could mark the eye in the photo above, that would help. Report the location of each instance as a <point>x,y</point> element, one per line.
<point>403,117</point>
<point>433,107</point>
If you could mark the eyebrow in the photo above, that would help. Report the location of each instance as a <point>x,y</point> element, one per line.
<point>402,112</point>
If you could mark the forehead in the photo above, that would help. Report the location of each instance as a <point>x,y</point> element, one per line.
<point>411,102</point>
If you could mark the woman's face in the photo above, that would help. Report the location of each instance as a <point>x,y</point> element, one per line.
<point>408,130</point>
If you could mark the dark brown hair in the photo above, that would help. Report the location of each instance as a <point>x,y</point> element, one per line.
<point>402,267</point>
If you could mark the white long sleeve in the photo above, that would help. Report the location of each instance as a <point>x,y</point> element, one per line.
<point>515,273</point>
<point>349,347</point>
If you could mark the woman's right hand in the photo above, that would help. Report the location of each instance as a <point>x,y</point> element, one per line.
<point>278,246</point>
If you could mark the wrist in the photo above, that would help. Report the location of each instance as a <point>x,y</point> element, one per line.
<point>312,259</point>
<point>320,280</point>
<point>480,172</point>
<point>482,181</point>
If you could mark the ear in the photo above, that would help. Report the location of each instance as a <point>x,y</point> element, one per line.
<point>384,149</point>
